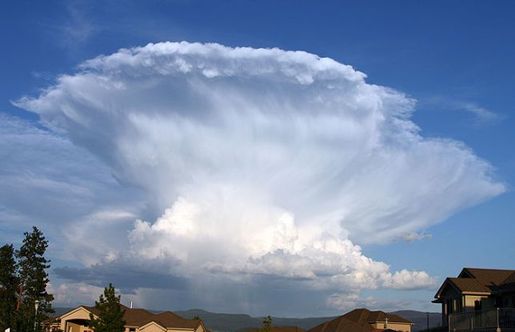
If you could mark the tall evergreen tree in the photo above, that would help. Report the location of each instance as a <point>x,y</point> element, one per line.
<point>8,285</point>
<point>33,280</point>
<point>109,312</point>
<point>266,324</point>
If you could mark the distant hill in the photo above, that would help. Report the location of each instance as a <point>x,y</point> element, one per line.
<point>420,318</point>
<point>239,322</point>
<point>220,322</point>
<point>217,322</point>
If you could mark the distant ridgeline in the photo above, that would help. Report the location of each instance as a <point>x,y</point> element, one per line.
<point>223,322</point>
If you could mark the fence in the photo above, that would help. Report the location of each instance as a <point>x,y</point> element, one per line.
<point>501,320</point>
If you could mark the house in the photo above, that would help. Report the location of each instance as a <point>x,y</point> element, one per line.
<point>136,320</point>
<point>364,320</point>
<point>472,298</point>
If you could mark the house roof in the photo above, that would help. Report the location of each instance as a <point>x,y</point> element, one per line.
<point>367,316</point>
<point>469,285</point>
<point>510,279</point>
<point>462,285</point>
<point>341,324</point>
<point>508,284</point>
<point>169,319</point>
<point>139,317</point>
<point>488,277</point>
<point>358,320</point>
<point>478,281</point>
<point>287,329</point>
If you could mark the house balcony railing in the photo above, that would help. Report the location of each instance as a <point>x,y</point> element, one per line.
<point>500,320</point>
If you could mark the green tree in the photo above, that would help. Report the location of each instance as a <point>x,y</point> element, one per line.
<point>109,312</point>
<point>33,280</point>
<point>8,285</point>
<point>267,324</point>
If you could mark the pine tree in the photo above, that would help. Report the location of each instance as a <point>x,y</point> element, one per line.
<point>33,280</point>
<point>8,285</point>
<point>109,312</point>
<point>267,324</point>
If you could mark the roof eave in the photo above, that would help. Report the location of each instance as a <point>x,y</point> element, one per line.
<point>475,293</point>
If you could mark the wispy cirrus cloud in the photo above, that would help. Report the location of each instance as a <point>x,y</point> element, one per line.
<point>480,115</point>
<point>49,182</point>
<point>416,236</point>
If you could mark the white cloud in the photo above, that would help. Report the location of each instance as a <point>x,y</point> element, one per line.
<point>271,245</point>
<point>262,161</point>
<point>416,236</point>
<point>71,294</point>
<point>348,301</point>
<point>482,114</point>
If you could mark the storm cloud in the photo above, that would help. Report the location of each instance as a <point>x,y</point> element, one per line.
<point>261,163</point>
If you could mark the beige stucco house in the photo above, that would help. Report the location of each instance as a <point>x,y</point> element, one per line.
<point>364,320</point>
<point>136,320</point>
<point>472,299</point>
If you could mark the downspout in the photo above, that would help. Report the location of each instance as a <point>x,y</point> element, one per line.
<point>498,327</point>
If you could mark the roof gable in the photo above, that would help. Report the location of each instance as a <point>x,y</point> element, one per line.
<point>358,320</point>
<point>152,324</point>
<point>84,310</point>
<point>137,316</point>
<point>341,324</point>
<point>464,286</point>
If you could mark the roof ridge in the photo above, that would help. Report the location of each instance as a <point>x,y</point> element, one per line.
<point>461,278</point>
<point>487,269</point>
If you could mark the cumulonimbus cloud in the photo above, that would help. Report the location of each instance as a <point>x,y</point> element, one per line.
<point>264,161</point>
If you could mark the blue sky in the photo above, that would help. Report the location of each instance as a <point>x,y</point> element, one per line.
<point>454,58</point>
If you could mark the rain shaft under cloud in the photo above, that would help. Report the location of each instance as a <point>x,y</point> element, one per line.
<point>263,162</point>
